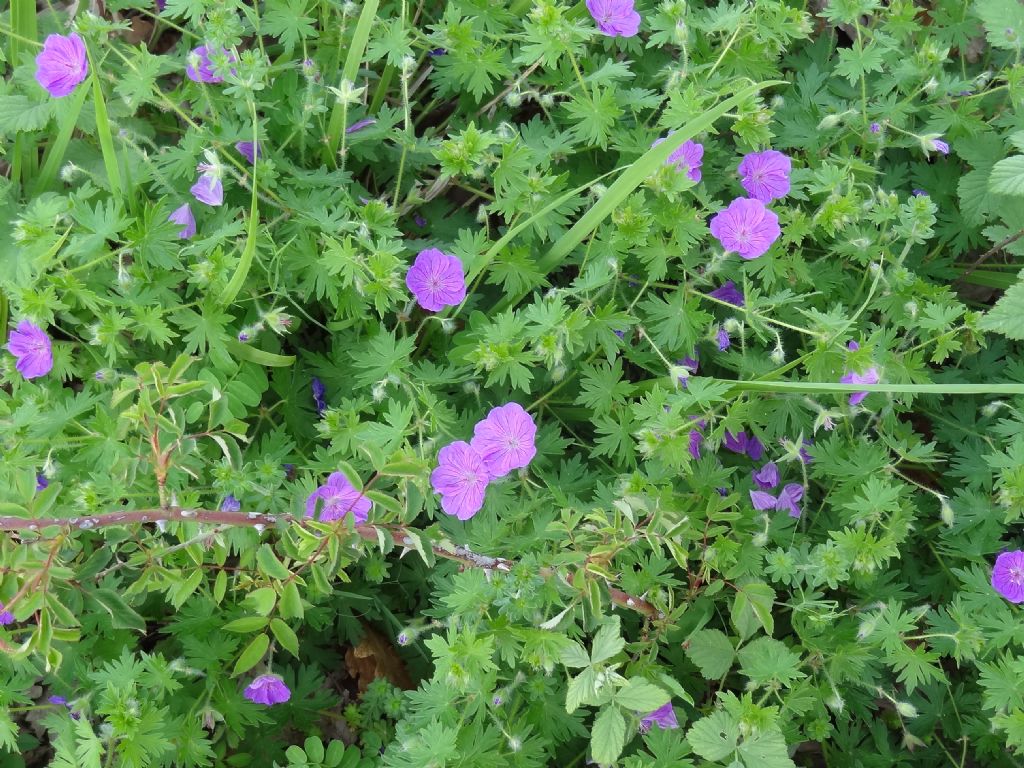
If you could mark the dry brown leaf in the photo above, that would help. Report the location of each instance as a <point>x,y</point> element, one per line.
<point>376,657</point>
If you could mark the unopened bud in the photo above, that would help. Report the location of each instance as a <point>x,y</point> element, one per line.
<point>946,514</point>
<point>906,709</point>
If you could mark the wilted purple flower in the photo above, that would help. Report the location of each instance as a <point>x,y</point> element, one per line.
<point>497,700</point>
<point>200,69</point>
<point>41,482</point>
<point>461,478</point>
<point>765,175</point>
<point>767,477</point>
<point>805,457</point>
<point>184,217</point>
<point>615,18</point>
<point>249,150</point>
<point>690,366</point>
<point>436,280</point>
<point>875,127</point>
<point>788,498</point>
<point>58,701</point>
<point>319,393</point>
<point>244,336</point>
<point>696,438</point>
<point>664,717</point>
<point>340,498</point>
<point>161,4</point>
<point>268,690</point>
<point>62,64</point>
<point>746,227</point>
<point>729,293</point>
<point>358,125</point>
<point>763,500</point>
<point>1008,576</point>
<point>723,339</point>
<point>688,158</point>
<point>230,504</point>
<point>505,439</point>
<point>438,51</point>
<point>30,344</point>
<point>741,442</point>
<point>870,376</point>
<point>6,617</point>
<point>209,189</point>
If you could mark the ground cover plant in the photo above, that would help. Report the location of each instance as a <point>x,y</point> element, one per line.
<point>469,383</point>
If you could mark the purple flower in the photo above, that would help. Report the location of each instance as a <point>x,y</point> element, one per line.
<point>728,293</point>
<point>268,690</point>
<point>746,227</point>
<point>767,477</point>
<point>200,68</point>
<point>230,504</point>
<point>6,617</point>
<point>30,344</point>
<point>209,189</point>
<point>688,158</point>
<point>786,500</point>
<point>340,497</point>
<point>765,175</point>
<point>615,18</point>
<point>723,339</point>
<point>940,146</point>
<point>1007,576</point>
<point>358,125</point>
<point>436,280</point>
<point>875,127</point>
<point>319,392</point>
<point>249,150</point>
<point>41,483</point>
<point>184,217</point>
<point>505,439</point>
<point>741,442</point>
<point>919,193</point>
<point>62,64</point>
<point>870,376</point>
<point>461,479</point>
<point>664,717</point>
<point>419,221</point>
<point>696,440</point>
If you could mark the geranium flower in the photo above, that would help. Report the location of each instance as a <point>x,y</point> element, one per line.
<point>268,690</point>
<point>340,498</point>
<point>765,175</point>
<point>785,501</point>
<point>722,337</point>
<point>200,69</point>
<point>436,280</point>
<point>664,717</point>
<point>184,217</point>
<point>230,504</point>
<point>6,617</point>
<point>62,64</point>
<point>729,293</point>
<point>767,477</point>
<point>741,442</point>
<point>746,227</point>
<point>461,479</point>
<point>505,439</point>
<point>688,158</point>
<point>615,18</point>
<point>31,346</point>
<point>249,150</point>
<point>1008,576</point>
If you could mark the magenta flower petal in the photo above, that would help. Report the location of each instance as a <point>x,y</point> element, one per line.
<point>340,498</point>
<point>765,175</point>
<point>184,217</point>
<point>505,439</point>
<point>209,189</point>
<point>62,64</point>
<point>728,293</point>
<point>746,227</point>
<point>615,18</point>
<point>1008,576</point>
<point>789,497</point>
<point>268,690</point>
<point>763,500</point>
<point>755,448</point>
<point>31,346</point>
<point>6,617</point>
<point>664,717</point>
<point>767,477</point>
<point>437,280</point>
<point>696,439</point>
<point>461,479</point>
<point>249,151</point>
<point>200,69</point>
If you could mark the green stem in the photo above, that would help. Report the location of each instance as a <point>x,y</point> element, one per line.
<point>357,46</point>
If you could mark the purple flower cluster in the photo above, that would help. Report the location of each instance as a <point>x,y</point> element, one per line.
<point>6,617</point>
<point>62,64</point>
<point>503,441</point>
<point>340,498</point>
<point>209,188</point>
<point>437,280</point>
<point>31,346</point>
<point>728,293</point>
<point>200,69</point>
<point>747,226</point>
<point>267,690</point>
<point>319,396</point>
<point>1008,576</point>
<point>615,18</point>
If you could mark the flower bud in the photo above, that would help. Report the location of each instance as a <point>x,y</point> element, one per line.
<point>829,121</point>
<point>906,709</point>
<point>946,513</point>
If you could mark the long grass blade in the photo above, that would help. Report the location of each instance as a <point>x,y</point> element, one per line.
<point>350,71</point>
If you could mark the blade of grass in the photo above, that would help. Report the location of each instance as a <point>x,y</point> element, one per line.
<point>827,387</point>
<point>349,72</point>
<point>55,153</point>
<point>259,356</point>
<point>242,270</point>
<point>24,155</point>
<point>103,131</point>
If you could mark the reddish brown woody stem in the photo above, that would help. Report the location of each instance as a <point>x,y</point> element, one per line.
<point>400,533</point>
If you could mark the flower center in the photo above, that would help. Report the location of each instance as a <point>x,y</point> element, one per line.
<point>742,236</point>
<point>434,283</point>
<point>1017,576</point>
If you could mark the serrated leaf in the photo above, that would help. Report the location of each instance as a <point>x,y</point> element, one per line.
<point>122,615</point>
<point>607,642</point>
<point>1007,316</point>
<point>608,736</point>
<point>712,652</point>
<point>261,600</point>
<point>246,624</point>
<point>251,655</point>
